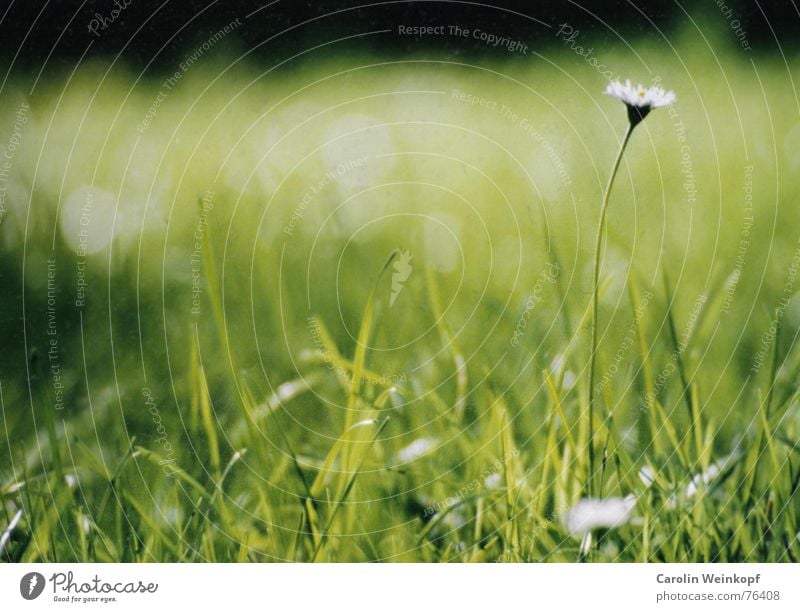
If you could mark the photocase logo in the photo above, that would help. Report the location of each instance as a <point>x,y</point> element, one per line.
<point>402,270</point>
<point>31,585</point>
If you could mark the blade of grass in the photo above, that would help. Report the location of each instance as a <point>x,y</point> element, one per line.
<point>346,492</point>
<point>207,418</point>
<point>678,350</point>
<point>446,334</point>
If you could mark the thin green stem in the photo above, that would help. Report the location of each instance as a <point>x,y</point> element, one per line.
<point>595,291</point>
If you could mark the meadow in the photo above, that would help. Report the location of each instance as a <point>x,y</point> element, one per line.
<point>339,310</point>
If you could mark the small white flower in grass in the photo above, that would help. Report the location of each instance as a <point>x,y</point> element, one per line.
<point>714,470</point>
<point>415,450</point>
<point>703,479</point>
<point>647,475</point>
<point>557,365</point>
<point>639,100</point>
<point>454,520</point>
<point>699,480</point>
<point>492,481</point>
<point>591,513</point>
<point>558,368</point>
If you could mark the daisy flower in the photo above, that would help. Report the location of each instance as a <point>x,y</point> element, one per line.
<point>639,100</point>
<point>592,513</point>
<point>415,450</point>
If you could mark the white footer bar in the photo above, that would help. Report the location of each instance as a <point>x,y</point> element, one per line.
<point>406,588</point>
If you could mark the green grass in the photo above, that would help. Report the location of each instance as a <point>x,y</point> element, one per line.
<point>289,402</point>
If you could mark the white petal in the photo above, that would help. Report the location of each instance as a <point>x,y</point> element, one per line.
<point>639,95</point>
<point>647,475</point>
<point>702,479</point>
<point>416,449</point>
<point>492,481</point>
<point>591,513</point>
